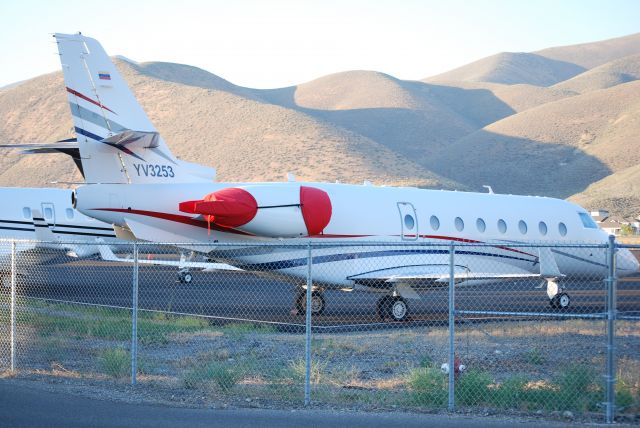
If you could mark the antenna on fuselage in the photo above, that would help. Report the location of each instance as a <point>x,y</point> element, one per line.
<point>486,186</point>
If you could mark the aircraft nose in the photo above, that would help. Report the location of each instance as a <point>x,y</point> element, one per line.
<point>627,263</point>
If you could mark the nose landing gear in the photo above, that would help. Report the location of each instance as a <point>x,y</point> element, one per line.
<point>558,299</point>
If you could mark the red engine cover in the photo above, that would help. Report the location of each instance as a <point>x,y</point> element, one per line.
<point>316,209</point>
<point>230,207</point>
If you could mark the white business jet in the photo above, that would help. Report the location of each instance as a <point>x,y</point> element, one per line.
<point>134,182</point>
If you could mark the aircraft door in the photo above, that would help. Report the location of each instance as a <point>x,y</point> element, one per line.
<point>408,221</point>
<point>49,213</point>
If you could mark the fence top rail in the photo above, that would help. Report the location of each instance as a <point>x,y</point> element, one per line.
<point>314,243</point>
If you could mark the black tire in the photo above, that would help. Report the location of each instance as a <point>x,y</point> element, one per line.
<point>399,309</point>
<point>318,304</point>
<point>393,307</point>
<point>184,276</point>
<point>560,301</point>
<point>563,301</point>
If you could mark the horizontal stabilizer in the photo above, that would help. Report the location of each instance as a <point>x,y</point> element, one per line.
<point>69,147</point>
<point>108,255</point>
<point>139,139</point>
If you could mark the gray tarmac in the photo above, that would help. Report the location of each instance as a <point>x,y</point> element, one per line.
<point>24,406</point>
<point>229,296</point>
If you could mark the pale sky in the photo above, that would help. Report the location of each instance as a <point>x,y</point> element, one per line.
<point>277,43</point>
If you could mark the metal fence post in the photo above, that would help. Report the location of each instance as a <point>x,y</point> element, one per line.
<point>134,318</point>
<point>611,324</point>
<point>307,357</point>
<point>452,319</point>
<point>13,305</point>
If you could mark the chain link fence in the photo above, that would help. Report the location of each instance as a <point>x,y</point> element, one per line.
<point>458,326</point>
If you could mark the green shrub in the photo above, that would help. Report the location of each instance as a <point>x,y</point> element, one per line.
<point>429,387</point>
<point>473,387</point>
<point>222,374</point>
<point>116,362</point>
<point>297,370</point>
<point>580,389</point>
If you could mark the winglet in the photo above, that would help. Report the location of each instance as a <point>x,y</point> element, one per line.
<point>42,230</point>
<point>106,254</point>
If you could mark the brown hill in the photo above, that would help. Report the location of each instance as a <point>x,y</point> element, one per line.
<point>245,138</point>
<point>613,73</point>
<point>619,193</point>
<point>589,55</point>
<point>512,68</point>
<point>556,149</point>
<point>518,97</point>
<point>408,117</point>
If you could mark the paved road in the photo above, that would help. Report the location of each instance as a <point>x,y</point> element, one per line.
<point>259,297</point>
<point>22,406</point>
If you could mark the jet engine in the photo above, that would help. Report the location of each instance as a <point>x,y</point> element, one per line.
<point>270,211</point>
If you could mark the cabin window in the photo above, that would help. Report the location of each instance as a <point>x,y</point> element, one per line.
<point>542,227</point>
<point>587,221</point>
<point>26,212</point>
<point>435,223</point>
<point>481,225</point>
<point>523,227</point>
<point>409,222</point>
<point>562,228</point>
<point>502,226</point>
<point>459,224</point>
<point>48,213</point>
<point>69,213</point>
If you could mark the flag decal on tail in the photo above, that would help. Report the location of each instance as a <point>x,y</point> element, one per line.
<point>103,75</point>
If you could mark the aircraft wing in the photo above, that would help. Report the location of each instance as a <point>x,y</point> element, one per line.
<point>441,274</point>
<point>107,254</point>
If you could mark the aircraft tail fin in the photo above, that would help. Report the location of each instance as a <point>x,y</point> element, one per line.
<point>108,119</point>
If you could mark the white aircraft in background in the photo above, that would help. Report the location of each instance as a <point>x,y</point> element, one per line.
<point>47,215</point>
<point>134,182</point>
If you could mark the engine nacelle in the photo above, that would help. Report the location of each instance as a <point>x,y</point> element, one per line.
<point>266,210</point>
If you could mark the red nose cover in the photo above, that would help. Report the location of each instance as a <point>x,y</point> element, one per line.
<point>230,207</point>
<point>316,209</point>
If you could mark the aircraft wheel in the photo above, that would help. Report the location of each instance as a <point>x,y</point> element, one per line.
<point>395,308</point>
<point>185,277</point>
<point>560,301</point>
<point>318,304</point>
<point>563,301</point>
<point>399,309</point>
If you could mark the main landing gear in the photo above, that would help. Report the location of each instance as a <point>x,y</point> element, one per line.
<point>558,299</point>
<point>318,303</point>
<point>393,307</point>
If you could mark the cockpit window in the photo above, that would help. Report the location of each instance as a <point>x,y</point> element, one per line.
<point>587,221</point>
